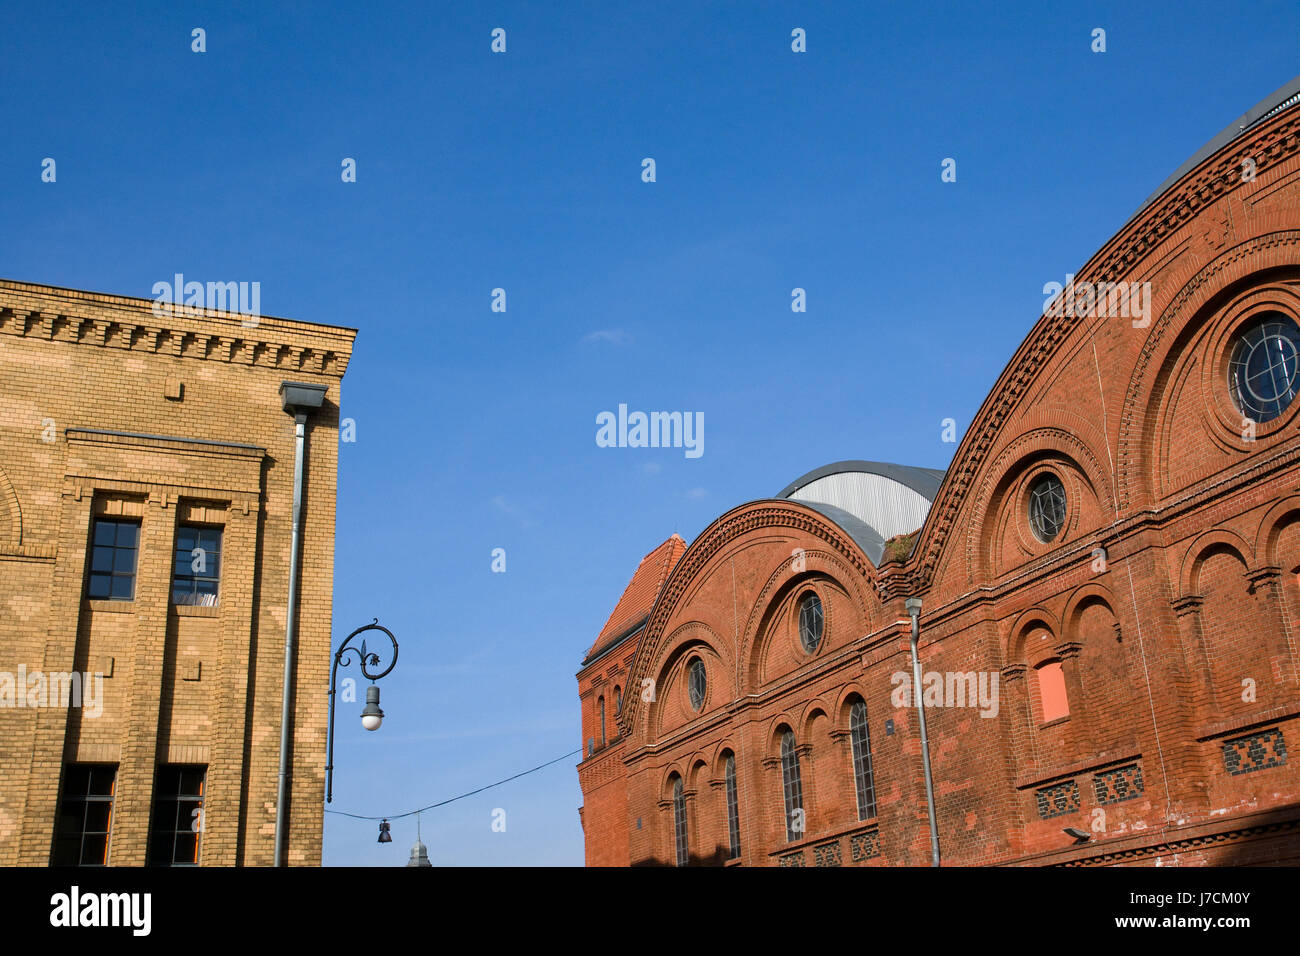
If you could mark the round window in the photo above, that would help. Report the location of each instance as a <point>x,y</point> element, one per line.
<point>696,683</point>
<point>1047,508</point>
<point>1264,371</point>
<point>811,621</point>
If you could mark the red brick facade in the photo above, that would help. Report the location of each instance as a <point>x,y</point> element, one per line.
<point>1169,603</point>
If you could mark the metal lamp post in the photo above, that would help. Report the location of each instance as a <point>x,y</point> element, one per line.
<point>372,716</point>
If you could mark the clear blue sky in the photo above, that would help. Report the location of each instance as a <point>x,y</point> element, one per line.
<point>476,429</point>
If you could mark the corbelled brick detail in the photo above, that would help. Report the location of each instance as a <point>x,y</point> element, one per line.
<point>112,410</point>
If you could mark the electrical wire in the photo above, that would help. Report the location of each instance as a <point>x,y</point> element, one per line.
<point>443,803</point>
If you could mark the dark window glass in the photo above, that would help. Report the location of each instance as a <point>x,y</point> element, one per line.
<point>1264,370</point>
<point>177,826</point>
<point>601,708</point>
<point>793,787</point>
<point>697,683</point>
<point>85,815</point>
<point>197,568</point>
<point>861,739</point>
<point>113,550</point>
<point>733,807</point>
<point>1047,508</point>
<point>679,822</point>
<point>810,622</point>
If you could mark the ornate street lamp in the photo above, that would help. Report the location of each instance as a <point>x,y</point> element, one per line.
<point>372,716</point>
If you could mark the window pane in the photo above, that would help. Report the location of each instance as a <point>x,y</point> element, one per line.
<point>123,561</point>
<point>100,586</point>
<point>128,534</point>
<point>105,533</point>
<point>122,588</point>
<point>101,559</point>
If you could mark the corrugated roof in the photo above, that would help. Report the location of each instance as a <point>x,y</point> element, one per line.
<point>640,594</point>
<point>872,501</point>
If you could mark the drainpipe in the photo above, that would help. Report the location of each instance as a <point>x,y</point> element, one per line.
<point>913,606</point>
<point>300,399</point>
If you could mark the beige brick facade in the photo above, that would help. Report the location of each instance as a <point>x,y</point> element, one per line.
<point>109,409</point>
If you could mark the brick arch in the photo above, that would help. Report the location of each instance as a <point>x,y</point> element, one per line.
<point>808,713</point>
<point>1081,597</point>
<point>772,737</point>
<point>782,582</point>
<point>1023,626</point>
<point>1234,269</point>
<point>1074,445</point>
<point>843,696</point>
<point>666,780</point>
<point>1207,543</point>
<point>11,515</point>
<point>1212,182</point>
<point>684,639</point>
<point>735,523</point>
<point>1281,515</point>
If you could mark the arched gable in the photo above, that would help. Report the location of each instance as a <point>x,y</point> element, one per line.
<point>840,552</point>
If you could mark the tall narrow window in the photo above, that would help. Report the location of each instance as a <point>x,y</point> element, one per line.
<point>618,700</point>
<point>197,570</point>
<point>112,560</point>
<point>1051,691</point>
<point>85,815</point>
<point>679,822</point>
<point>794,809</point>
<point>600,708</point>
<point>860,737</point>
<point>733,806</point>
<point>177,815</point>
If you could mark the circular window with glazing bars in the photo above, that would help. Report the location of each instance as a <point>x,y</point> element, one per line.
<point>696,683</point>
<point>811,621</point>
<point>1264,368</point>
<point>1047,508</point>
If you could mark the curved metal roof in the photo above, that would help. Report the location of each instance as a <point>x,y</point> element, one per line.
<point>871,501</point>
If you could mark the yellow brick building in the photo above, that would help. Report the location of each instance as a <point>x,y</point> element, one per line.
<point>146,500</point>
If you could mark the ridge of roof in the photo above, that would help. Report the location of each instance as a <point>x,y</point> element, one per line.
<point>924,481</point>
<point>640,594</point>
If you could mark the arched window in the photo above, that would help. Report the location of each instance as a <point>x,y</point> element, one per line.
<point>793,787</point>
<point>733,806</point>
<point>600,710</point>
<point>861,740</point>
<point>1051,691</point>
<point>679,822</point>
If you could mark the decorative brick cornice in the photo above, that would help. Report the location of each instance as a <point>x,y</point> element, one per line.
<point>735,523</point>
<point>1272,142</point>
<point>1187,604</point>
<point>1068,650</point>
<point>119,322</point>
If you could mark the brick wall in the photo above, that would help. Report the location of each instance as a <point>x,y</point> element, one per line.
<point>1169,600</point>
<point>208,441</point>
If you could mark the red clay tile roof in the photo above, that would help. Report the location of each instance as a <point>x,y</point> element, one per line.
<point>640,594</point>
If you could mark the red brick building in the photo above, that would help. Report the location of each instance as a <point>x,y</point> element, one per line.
<point>1109,573</point>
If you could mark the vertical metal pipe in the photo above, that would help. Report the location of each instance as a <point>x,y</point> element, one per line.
<point>300,441</point>
<point>914,609</point>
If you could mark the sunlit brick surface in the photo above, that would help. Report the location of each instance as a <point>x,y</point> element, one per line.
<point>182,684</point>
<point>1167,598</point>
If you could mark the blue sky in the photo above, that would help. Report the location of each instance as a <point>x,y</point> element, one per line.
<point>522,171</point>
